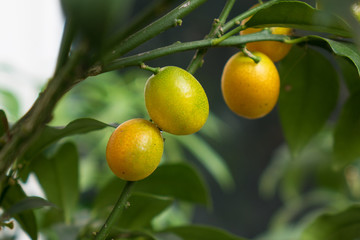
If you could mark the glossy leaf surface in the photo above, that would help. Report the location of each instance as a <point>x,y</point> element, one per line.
<point>304,104</point>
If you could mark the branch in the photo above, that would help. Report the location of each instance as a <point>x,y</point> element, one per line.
<point>234,41</point>
<point>168,21</point>
<point>66,41</point>
<point>150,13</point>
<point>197,60</point>
<point>29,126</point>
<point>237,20</point>
<point>115,213</point>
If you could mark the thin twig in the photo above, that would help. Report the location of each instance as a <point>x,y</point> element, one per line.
<point>115,213</point>
<point>216,29</point>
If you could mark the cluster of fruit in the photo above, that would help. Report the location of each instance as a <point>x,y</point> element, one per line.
<point>176,103</point>
<point>251,89</point>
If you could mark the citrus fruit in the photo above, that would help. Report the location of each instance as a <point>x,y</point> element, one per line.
<point>273,49</point>
<point>176,101</point>
<point>134,149</point>
<point>355,9</point>
<point>250,89</point>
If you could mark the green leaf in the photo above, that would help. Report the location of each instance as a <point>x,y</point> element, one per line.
<point>296,14</point>
<point>195,232</point>
<point>171,180</point>
<point>26,204</point>
<point>142,209</point>
<point>59,178</point>
<point>108,195</point>
<point>26,219</point>
<point>308,95</point>
<point>343,49</point>
<point>211,160</point>
<point>347,133</point>
<point>174,180</point>
<point>10,103</point>
<point>344,225</point>
<point>350,74</point>
<point>52,134</point>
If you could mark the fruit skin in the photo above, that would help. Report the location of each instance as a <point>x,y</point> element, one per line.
<point>275,50</point>
<point>250,90</point>
<point>176,101</point>
<point>134,149</point>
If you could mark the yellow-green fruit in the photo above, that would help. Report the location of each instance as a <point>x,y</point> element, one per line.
<point>134,149</point>
<point>355,8</point>
<point>176,101</point>
<point>250,89</point>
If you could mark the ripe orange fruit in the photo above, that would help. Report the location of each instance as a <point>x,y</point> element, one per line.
<point>250,89</point>
<point>134,149</point>
<point>273,49</point>
<point>176,101</point>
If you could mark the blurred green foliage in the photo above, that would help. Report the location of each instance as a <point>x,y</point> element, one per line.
<point>316,176</point>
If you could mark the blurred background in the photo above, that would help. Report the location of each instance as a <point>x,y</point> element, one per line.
<point>31,33</point>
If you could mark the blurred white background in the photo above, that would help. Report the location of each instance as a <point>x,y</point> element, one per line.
<point>30,37</point>
<point>29,42</point>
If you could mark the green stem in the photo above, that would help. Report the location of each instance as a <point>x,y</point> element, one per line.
<point>168,21</point>
<point>297,40</point>
<point>66,41</point>
<point>237,20</point>
<point>227,35</point>
<point>255,58</point>
<point>115,213</point>
<point>233,41</point>
<point>198,58</point>
<point>151,69</point>
<point>149,13</point>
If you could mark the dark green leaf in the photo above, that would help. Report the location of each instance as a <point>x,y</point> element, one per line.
<point>308,95</point>
<point>59,177</point>
<point>343,49</point>
<point>27,204</point>
<point>347,133</point>
<point>174,180</point>
<point>195,232</point>
<point>296,14</point>
<point>52,134</point>
<point>108,195</point>
<point>350,74</point>
<point>171,180</point>
<point>344,225</point>
<point>26,219</point>
<point>142,209</point>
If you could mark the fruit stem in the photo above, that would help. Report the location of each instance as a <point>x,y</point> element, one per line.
<point>256,59</point>
<point>151,69</point>
<point>115,213</point>
<point>296,40</point>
